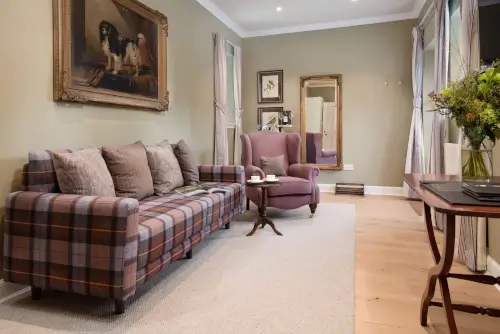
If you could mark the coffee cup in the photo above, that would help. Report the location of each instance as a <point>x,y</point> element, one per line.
<point>271,177</point>
<point>255,178</point>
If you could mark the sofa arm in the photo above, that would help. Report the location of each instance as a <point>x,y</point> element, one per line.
<point>73,243</point>
<point>219,173</point>
<point>304,171</point>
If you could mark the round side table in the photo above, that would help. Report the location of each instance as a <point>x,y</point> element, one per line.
<point>263,220</point>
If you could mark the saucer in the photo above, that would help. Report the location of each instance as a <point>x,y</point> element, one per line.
<point>271,181</point>
<point>258,181</point>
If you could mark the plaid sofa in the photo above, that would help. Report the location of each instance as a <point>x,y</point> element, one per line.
<point>106,246</point>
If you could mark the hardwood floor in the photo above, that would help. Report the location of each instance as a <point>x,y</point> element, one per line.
<point>392,261</point>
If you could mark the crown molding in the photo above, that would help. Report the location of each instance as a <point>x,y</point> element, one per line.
<point>218,13</point>
<point>224,18</point>
<point>331,25</point>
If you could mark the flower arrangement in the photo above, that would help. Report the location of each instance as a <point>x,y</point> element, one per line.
<point>474,104</point>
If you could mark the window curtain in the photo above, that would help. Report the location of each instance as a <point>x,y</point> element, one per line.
<point>472,230</point>
<point>415,151</point>
<point>221,154</point>
<point>441,63</point>
<point>238,130</point>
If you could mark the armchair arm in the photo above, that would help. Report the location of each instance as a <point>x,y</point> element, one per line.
<point>304,171</point>
<point>219,173</point>
<point>73,243</point>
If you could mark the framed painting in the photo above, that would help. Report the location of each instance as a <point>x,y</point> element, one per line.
<point>110,52</point>
<point>269,118</point>
<point>270,86</point>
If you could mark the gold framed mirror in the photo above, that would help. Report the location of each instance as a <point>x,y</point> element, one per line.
<point>321,120</point>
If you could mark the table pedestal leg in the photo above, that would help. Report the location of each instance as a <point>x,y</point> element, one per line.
<point>440,271</point>
<point>263,220</point>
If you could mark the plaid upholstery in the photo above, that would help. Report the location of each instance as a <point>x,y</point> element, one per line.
<point>170,226</point>
<point>39,173</point>
<point>81,244</point>
<point>226,174</point>
<point>106,246</point>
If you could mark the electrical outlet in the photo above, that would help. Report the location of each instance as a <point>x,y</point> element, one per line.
<point>348,167</point>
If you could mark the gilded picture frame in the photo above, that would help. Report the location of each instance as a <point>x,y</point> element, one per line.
<point>114,54</point>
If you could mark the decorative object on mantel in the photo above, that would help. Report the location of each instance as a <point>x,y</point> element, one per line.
<point>269,118</point>
<point>270,86</point>
<point>119,59</point>
<point>350,189</point>
<point>474,103</point>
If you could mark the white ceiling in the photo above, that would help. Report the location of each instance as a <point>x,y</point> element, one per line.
<point>250,18</point>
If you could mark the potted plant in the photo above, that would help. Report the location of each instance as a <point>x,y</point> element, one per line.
<point>474,104</point>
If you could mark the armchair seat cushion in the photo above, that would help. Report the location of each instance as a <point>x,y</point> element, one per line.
<point>291,186</point>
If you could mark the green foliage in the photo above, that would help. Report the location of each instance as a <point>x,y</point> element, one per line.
<point>474,103</point>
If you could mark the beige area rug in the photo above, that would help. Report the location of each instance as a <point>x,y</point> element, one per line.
<point>301,282</point>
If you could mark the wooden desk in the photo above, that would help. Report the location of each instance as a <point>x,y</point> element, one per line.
<point>441,271</point>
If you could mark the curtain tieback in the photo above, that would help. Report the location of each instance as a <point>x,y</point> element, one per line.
<point>417,102</point>
<point>220,106</point>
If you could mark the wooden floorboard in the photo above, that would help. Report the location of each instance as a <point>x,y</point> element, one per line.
<point>392,262</point>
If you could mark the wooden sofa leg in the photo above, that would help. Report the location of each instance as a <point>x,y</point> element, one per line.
<point>248,203</point>
<point>119,306</point>
<point>189,254</point>
<point>228,225</point>
<point>36,293</point>
<point>313,208</point>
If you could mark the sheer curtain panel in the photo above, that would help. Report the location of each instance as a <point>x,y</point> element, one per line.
<point>415,151</point>
<point>442,34</point>
<point>238,130</point>
<point>221,154</point>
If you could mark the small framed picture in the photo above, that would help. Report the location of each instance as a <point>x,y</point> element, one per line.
<point>270,86</point>
<point>269,119</point>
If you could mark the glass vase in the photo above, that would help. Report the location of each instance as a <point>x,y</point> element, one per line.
<point>477,161</point>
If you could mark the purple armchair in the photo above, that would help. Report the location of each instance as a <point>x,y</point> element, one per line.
<point>298,188</point>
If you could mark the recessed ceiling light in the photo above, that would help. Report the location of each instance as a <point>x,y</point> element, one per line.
<point>279,9</point>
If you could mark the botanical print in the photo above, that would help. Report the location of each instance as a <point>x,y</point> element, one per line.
<point>270,86</point>
<point>110,52</point>
<point>269,118</point>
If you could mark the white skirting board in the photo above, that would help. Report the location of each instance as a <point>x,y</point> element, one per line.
<point>369,190</point>
<point>493,269</point>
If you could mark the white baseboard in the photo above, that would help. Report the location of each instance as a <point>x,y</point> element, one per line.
<point>493,269</point>
<point>369,190</point>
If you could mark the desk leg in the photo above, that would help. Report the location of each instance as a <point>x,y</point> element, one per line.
<point>440,271</point>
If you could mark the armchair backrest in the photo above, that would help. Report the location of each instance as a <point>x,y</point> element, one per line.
<point>269,144</point>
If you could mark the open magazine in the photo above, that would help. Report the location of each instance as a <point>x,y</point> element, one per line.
<point>200,189</point>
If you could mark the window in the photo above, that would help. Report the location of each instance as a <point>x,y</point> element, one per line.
<point>231,120</point>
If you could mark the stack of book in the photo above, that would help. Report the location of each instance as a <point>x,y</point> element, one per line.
<point>489,192</point>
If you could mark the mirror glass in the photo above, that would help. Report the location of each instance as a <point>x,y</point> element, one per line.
<point>320,118</point>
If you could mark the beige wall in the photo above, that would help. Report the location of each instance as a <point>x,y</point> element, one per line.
<point>29,119</point>
<point>376,118</point>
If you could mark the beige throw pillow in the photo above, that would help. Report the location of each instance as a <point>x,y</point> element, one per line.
<point>273,165</point>
<point>129,168</point>
<point>165,169</point>
<point>83,172</point>
<point>187,161</point>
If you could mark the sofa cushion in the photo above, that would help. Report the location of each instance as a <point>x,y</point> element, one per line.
<point>164,167</point>
<point>129,168</point>
<point>291,186</point>
<point>273,165</point>
<point>167,221</point>
<point>83,172</point>
<point>188,163</point>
